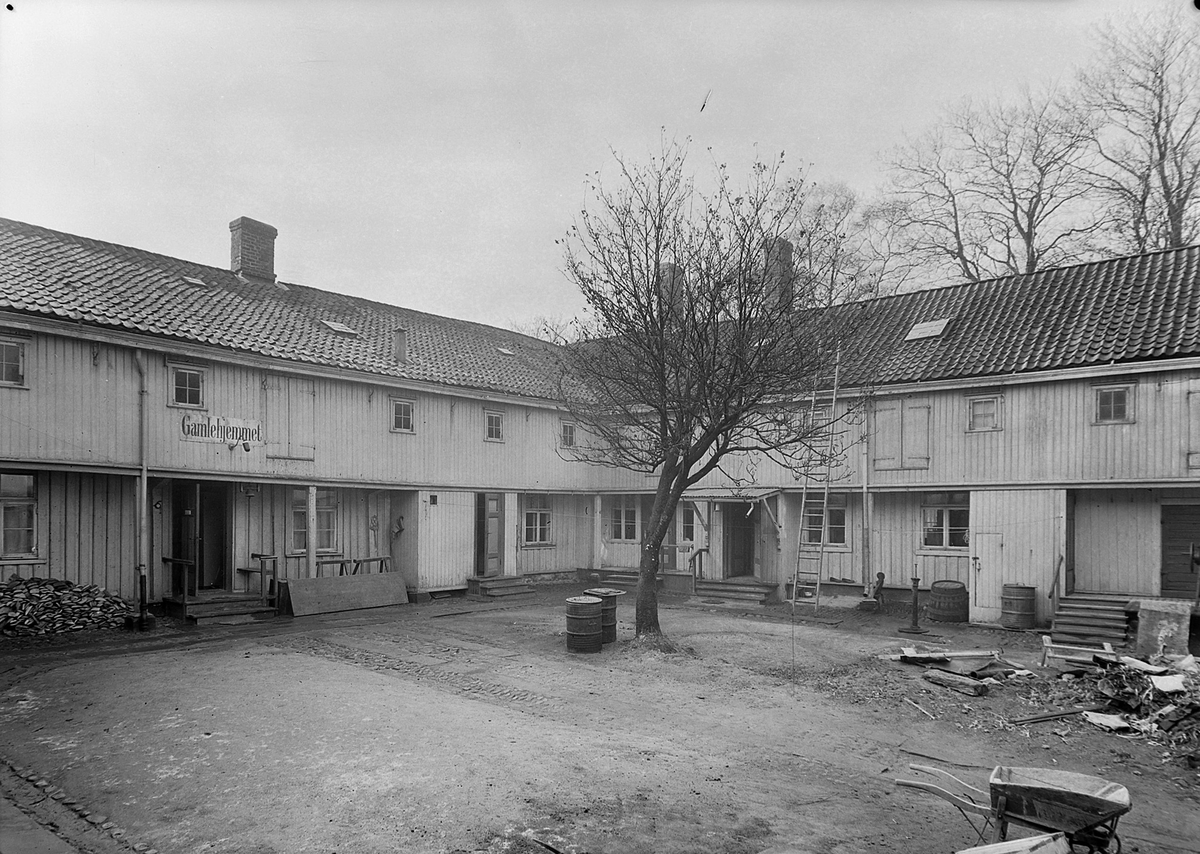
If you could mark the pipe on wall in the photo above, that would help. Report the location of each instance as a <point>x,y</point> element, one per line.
<point>143,528</point>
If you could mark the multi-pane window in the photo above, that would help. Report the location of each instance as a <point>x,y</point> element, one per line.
<point>568,435</point>
<point>18,515</point>
<point>402,415</point>
<point>495,426</point>
<point>983,414</point>
<point>1114,404</point>
<point>187,387</point>
<point>687,524</point>
<point>326,540</point>
<point>946,519</point>
<point>12,362</point>
<point>623,518</point>
<point>825,522</point>
<point>537,519</point>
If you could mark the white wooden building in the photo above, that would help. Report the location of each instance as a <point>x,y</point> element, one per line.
<point>1041,430</point>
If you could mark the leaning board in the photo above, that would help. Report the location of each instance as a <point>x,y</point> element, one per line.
<point>305,596</point>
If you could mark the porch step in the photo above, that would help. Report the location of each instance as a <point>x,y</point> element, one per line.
<point>498,586</point>
<point>1091,619</point>
<point>621,579</point>
<point>222,608</point>
<point>736,589</point>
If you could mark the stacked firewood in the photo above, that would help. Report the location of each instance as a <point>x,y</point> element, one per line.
<point>44,606</point>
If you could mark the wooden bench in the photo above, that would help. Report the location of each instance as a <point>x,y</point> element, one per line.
<point>1076,654</point>
<point>267,565</point>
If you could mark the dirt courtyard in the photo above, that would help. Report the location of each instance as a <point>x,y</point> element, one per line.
<point>458,726</point>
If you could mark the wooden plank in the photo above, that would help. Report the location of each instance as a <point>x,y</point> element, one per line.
<point>961,684</point>
<point>306,596</point>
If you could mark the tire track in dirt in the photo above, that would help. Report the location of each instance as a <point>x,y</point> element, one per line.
<point>434,675</point>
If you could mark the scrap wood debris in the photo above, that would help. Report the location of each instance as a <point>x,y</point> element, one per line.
<point>43,606</point>
<point>1157,699</point>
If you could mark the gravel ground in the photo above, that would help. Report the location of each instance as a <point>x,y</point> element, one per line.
<point>468,727</point>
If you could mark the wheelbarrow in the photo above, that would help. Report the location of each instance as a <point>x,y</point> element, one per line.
<point>1085,809</point>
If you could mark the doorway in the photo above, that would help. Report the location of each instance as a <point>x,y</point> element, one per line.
<point>489,533</point>
<point>1180,550</point>
<point>741,522</point>
<point>199,534</point>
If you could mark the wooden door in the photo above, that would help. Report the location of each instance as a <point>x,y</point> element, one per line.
<point>987,574</point>
<point>185,536</point>
<point>489,533</point>
<point>740,523</point>
<point>1180,550</point>
<point>212,543</point>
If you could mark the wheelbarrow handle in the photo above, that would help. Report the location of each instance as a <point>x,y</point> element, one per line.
<point>938,772</point>
<point>963,803</point>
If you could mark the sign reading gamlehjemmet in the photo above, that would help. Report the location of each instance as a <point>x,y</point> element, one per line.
<point>217,428</point>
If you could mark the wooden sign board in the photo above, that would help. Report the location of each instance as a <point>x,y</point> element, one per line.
<point>305,596</point>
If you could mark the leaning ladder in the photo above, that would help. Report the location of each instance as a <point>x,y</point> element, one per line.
<point>813,576</point>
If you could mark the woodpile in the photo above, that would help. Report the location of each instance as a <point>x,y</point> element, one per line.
<point>45,606</point>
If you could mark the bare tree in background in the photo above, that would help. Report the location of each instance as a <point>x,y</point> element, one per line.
<point>698,342</point>
<point>1142,100</point>
<point>841,251</point>
<point>992,189</point>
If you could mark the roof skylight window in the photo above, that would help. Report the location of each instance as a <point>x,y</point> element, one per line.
<point>192,280</point>
<point>928,329</point>
<point>506,351</point>
<point>340,328</point>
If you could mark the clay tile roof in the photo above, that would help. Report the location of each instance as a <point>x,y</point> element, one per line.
<point>61,275</point>
<point>1134,309</point>
<point>1123,310</point>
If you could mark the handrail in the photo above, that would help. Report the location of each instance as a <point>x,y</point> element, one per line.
<point>187,566</point>
<point>1054,585</point>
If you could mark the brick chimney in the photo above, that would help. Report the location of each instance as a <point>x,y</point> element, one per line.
<point>780,278</point>
<point>253,250</point>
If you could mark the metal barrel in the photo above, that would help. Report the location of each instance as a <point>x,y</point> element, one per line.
<point>1017,606</point>
<point>948,602</point>
<point>584,631</point>
<point>608,610</point>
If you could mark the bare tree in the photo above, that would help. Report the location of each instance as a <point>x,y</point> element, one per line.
<point>840,251</point>
<point>697,342</point>
<point>1142,100</point>
<point>993,189</point>
<point>555,328</point>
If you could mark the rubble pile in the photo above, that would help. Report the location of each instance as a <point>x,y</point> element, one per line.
<point>1159,699</point>
<point>44,606</point>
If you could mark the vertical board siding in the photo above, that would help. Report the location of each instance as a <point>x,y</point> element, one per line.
<point>1118,541</point>
<point>446,556</point>
<point>88,530</point>
<point>571,531</point>
<point>1017,537</point>
<point>897,549</point>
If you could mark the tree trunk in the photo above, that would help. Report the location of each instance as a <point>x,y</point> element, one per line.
<point>662,516</point>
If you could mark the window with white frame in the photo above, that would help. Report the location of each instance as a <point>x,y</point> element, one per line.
<point>18,515</point>
<point>326,532</point>
<point>402,415</point>
<point>984,413</point>
<point>495,425</point>
<point>687,524</point>
<point>946,520</point>
<point>187,387</point>
<point>1114,404</point>
<point>12,362</point>
<point>567,435</point>
<point>825,522</point>
<point>537,520</point>
<point>623,518</point>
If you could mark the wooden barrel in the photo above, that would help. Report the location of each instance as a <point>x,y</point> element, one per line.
<point>608,610</point>
<point>948,602</point>
<point>1018,606</point>
<point>584,631</point>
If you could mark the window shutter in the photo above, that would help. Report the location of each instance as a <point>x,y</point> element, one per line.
<point>915,435</point>
<point>887,434</point>
<point>275,411</point>
<point>1193,409</point>
<point>301,396</point>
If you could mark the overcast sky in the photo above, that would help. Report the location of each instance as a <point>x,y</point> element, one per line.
<point>428,154</point>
